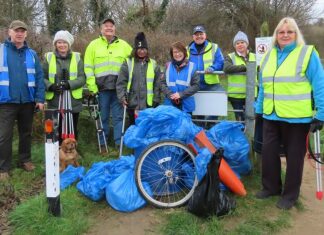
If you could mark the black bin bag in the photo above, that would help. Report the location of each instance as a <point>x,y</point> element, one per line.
<point>207,199</point>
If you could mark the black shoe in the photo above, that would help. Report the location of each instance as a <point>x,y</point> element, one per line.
<point>263,194</point>
<point>285,204</point>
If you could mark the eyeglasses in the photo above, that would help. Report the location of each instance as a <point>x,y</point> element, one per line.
<point>282,33</point>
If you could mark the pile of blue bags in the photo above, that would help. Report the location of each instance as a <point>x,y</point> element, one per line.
<point>115,180</point>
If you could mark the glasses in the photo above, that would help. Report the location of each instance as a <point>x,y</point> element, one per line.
<point>282,33</point>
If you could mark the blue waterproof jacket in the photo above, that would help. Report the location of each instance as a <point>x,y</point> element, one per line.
<point>23,87</point>
<point>315,75</point>
<point>197,58</point>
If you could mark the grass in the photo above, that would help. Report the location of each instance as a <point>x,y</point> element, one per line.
<point>251,216</point>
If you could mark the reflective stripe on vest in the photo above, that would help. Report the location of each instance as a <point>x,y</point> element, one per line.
<point>208,59</point>
<point>237,83</point>
<point>73,73</point>
<point>173,84</point>
<point>149,78</point>
<point>4,73</point>
<point>286,89</point>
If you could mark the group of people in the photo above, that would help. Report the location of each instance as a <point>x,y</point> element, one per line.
<point>290,77</point>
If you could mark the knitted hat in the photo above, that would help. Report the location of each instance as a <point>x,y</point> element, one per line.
<point>65,36</point>
<point>140,41</point>
<point>240,36</point>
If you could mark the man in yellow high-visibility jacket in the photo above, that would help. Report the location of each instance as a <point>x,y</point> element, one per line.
<point>103,59</point>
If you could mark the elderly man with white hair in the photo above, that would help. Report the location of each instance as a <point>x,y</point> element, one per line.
<point>63,70</point>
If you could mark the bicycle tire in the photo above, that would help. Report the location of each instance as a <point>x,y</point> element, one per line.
<point>165,174</point>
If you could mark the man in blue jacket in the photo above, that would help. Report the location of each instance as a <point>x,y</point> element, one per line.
<point>22,91</point>
<point>209,58</point>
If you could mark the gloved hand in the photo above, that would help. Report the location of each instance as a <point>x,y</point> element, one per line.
<point>316,125</point>
<point>55,87</point>
<point>209,70</point>
<point>65,85</point>
<point>258,115</point>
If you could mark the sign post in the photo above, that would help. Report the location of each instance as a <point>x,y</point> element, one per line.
<point>52,162</point>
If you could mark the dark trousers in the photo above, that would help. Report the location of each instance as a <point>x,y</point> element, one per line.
<point>238,104</point>
<point>23,114</point>
<point>293,137</point>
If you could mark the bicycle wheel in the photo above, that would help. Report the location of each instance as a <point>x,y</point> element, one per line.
<point>165,174</point>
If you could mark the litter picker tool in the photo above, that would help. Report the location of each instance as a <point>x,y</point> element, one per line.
<point>319,184</point>
<point>93,105</point>
<point>317,157</point>
<point>123,132</point>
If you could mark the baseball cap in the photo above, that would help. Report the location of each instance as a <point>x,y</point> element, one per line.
<point>199,28</point>
<point>16,24</point>
<point>108,20</point>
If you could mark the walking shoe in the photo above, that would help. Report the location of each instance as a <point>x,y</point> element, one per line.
<point>285,204</point>
<point>263,194</point>
<point>28,166</point>
<point>4,176</point>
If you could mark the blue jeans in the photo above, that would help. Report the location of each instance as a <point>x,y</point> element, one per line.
<point>108,101</point>
<point>212,87</point>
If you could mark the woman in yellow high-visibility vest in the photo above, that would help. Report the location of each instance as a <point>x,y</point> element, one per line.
<point>291,75</point>
<point>234,63</point>
<point>59,63</point>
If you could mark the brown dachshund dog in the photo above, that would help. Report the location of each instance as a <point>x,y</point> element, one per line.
<point>68,154</point>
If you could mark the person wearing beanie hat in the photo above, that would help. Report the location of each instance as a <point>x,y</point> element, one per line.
<point>235,62</point>
<point>137,84</point>
<point>175,85</point>
<point>64,73</point>
<point>65,36</point>
<point>103,59</point>
<point>22,91</point>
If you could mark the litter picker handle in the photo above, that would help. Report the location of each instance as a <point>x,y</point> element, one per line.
<point>319,184</point>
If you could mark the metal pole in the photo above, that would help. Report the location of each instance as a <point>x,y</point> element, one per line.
<point>250,98</point>
<point>123,130</point>
<point>319,185</point>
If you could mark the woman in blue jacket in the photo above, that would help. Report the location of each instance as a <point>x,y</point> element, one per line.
<point>180,81</point>
<point>291,75</point>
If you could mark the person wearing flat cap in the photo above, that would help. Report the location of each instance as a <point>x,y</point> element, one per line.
<point>103,59</point>
<point>22,90</point>
<point>63,70</point>
<point>235,62</point>
<point>209,58</point>
<point>137,84</point>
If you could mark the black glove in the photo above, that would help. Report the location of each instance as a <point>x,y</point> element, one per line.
<point>258,116</point>
<point>55,87</point>
<point>155,104</point>
<point>65,85</point>
<point>316,125</point>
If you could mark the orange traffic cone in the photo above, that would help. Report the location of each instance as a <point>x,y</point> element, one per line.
<point>226,174</point>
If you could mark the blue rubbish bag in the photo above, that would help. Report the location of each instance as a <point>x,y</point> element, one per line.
<point>163,122</point>
<point>70,175</point>
<point>93,184</point>
<point>229,136</point>
<point>122,193</point>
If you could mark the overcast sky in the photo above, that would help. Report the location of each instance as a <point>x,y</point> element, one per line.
<point>319,5</point>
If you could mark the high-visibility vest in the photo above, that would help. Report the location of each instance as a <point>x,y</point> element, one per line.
<point>103,59</point>
<point>208,59</point>
<point>237,83</point>
<point>149,78</point>
<point>178,82</point>
<point>73,73</point>
<point>4,73</point>
<point>287,91</point>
